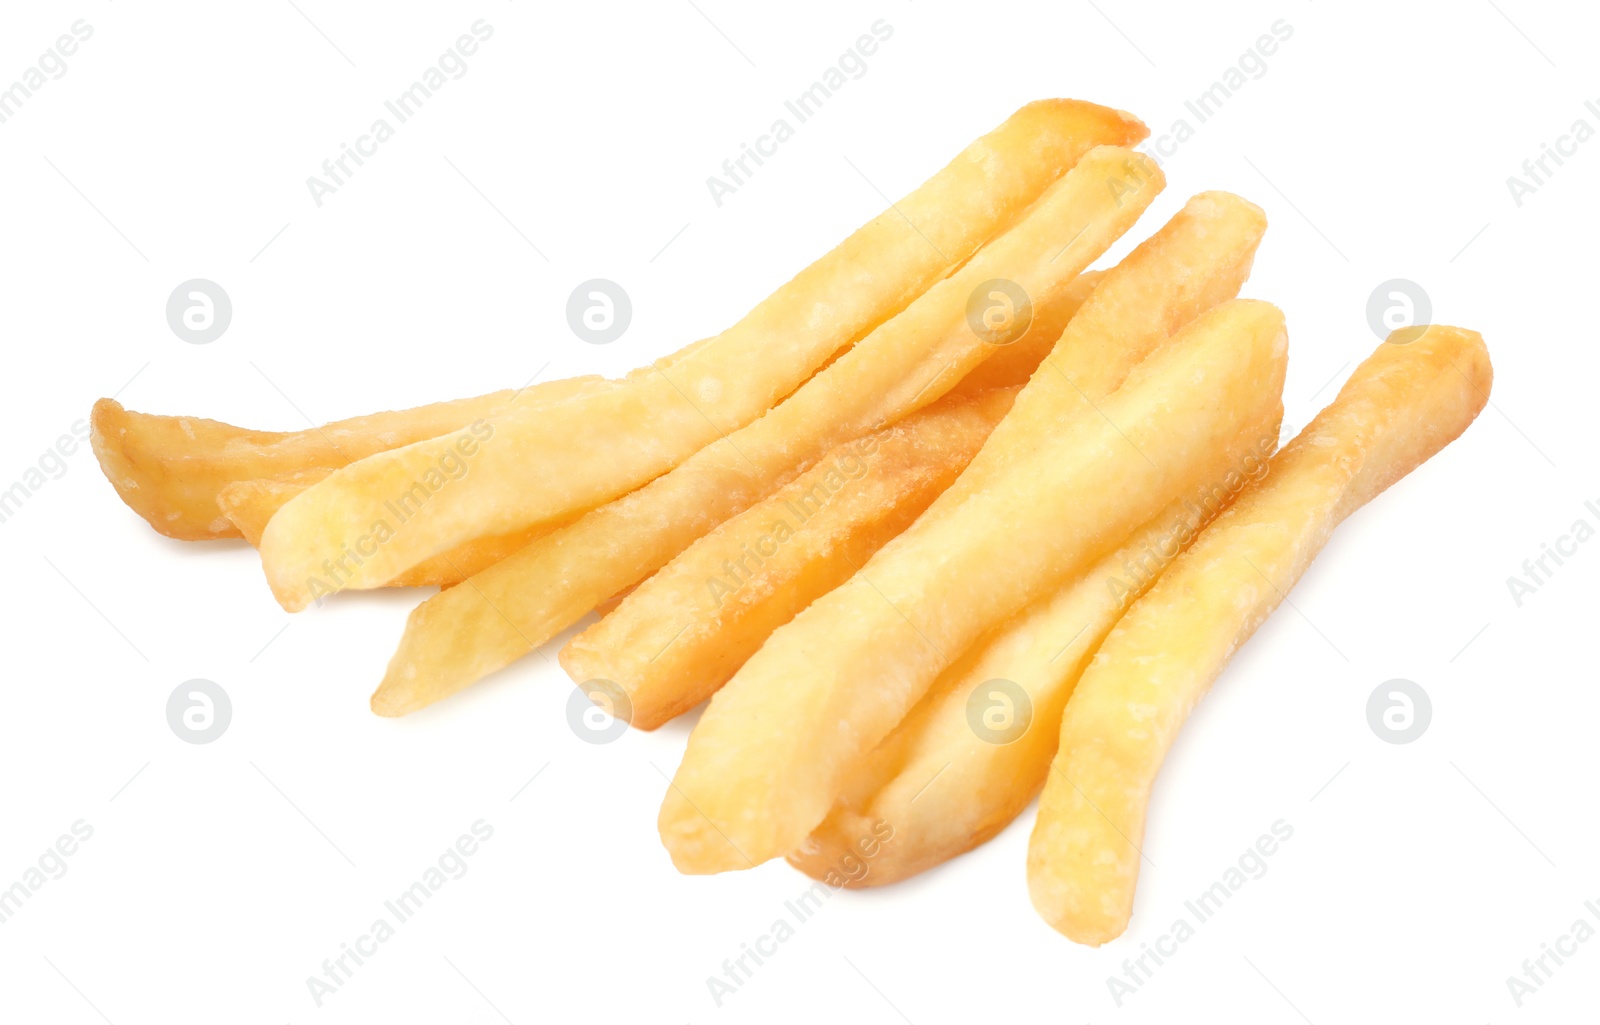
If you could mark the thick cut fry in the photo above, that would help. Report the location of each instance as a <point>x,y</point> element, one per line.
<point>538,468</point>
<point>1408,400</point>
<point>976,749</point>
<point>680,635</point>
<point>942,786</point>
<point>780,741</point>
<point>458,637</point>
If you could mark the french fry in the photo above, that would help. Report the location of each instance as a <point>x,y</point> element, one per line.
<point>680,634</point>
<point>780,741</point>
<point>538,468</point>
<point>1408,400</point>
<point>170,469</point>
<point>461,635</point>
<point>251,504</point>
<point>942,787</point>
<point>947,779</point>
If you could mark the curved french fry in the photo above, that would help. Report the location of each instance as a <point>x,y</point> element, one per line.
<point>172,470</point>
<point>781,740</point>
<point>1408,400</point>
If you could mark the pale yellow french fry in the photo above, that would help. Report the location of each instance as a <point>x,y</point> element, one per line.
<point>1408,400</point>
<point>781,740</point>
<point>461,635</point>
<point>941,786</point>
<point>679,636</point>
<point>537,468</point>
<point>977,747</point>
<point>251,504</point>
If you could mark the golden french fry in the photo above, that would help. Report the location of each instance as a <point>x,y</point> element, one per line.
<point>458,637</point>
<point>680,635</point>
<point>783,737</point>
<point>1198,259</point>
<point>1408,400</point>
<point>975,750</point>
<point>537,468</point>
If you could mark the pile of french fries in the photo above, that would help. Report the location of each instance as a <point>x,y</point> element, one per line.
<point>926,550</point>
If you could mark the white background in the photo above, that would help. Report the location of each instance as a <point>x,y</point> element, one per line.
<point>220,876</point>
